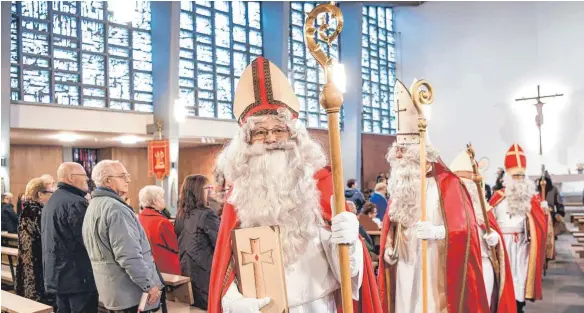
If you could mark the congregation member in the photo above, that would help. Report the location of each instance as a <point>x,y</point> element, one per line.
<point>454,276</point>
<point>49,182</point>
<point>499,285</point>
<point>370,210</point>
<point>379,199</point>
<point>353,194</point>
<point>196,226</point>
<point>159,229</point>
<point>279,178</point>
<point>9,216</point>
<point>362,232</point>
<point>120,254</point>
<point>520,214</point>
<point>29,270</point>
<point>67,269</point>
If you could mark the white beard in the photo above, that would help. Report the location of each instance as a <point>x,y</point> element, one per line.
<point>273,185</point>
<point>518,194</point>
<point>476,203</point>
<point>404,183</point>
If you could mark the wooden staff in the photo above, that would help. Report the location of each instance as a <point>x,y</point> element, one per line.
<point>331,99</point>
<point>478,180</point>
<point>421,97</point>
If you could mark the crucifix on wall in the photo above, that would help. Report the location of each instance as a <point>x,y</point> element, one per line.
<point>539,107</point>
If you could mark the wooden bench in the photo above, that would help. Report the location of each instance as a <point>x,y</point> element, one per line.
<point>9,239</point>
<point>573,216</point>
<point>178,288</point>
<point>579,250</point>
<point>16,304</point>
<point>12,255</point>
<point>176,307</point>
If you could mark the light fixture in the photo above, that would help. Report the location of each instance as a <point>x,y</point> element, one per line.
<point>129,140</point>
<point>339,77</point>
<point>122,10</point>
<point>67,137</point>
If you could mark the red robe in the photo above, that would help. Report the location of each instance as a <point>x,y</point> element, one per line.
<point>465,288</point>
<point>222,272</point>
<point>503,291</point>
<point>537,228</point>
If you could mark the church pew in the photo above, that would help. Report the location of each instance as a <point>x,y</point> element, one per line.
<point>579,250</point>
<point>573,216</point>
<point>12,255</point>
<point>178,288</point>
<point>176,307</point>
<point>12,303</point>
<point>9,240</point>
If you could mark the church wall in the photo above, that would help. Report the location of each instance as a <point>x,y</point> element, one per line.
<point>480,57</point>
<point>29,162</point>
<point>373,150</point>
<point>197,160</point>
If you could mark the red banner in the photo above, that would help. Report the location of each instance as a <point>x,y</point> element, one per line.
<point>158,158</point>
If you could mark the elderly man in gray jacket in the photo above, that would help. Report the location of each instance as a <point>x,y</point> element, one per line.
<point>120,254</point>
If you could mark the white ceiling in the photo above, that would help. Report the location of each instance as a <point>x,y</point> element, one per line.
<point>21,136</point>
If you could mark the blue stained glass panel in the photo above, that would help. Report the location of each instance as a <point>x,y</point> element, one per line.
<point>214,41</point>
<point>65,25</point>
<point>36,86</point>
<point>65,6</point>
<point>378,70</point>
<point>119,81</point>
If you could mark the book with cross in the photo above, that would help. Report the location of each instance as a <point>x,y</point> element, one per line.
<point>259,265</point>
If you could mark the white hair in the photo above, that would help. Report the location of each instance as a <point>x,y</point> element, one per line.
<point>102,171</point>
<point>149,194</point>
<point>518,194</point>
<point>273,184</point>
<point>404,182</point>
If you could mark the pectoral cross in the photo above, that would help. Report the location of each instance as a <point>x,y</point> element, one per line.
<point>539,107</point>
<point>256,257</point>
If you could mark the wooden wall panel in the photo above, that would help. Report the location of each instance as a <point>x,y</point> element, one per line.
<point>28,162</point>
<point>373,151</point>
<point>197,160</point>
<point>136,162</point>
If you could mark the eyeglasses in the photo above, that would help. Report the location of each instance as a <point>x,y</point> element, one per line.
<point>262,133</point>
<point>124,176</point>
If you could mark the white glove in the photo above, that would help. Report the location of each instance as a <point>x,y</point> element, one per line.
<point>491,238</point>
<point>387,258</point>
<point>234,302</point>
<point>344,228</point>
<point>426,230</point>
<point>544,204</point>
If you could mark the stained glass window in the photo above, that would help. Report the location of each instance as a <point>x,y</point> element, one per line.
<point>77,53</point>
<point>378,70</point>
<point>304,73</point>
<point>218,39</point>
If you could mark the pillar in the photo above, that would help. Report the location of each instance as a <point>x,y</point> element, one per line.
<point>275,31</point>
<point>5,97</point>
<point>350,57</point>
<point>165,66</point>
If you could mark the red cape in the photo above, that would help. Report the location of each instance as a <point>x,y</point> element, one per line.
<point>537,223</point>
<point>222,273</point>
<point>465,287</point>
<point>503,293</point>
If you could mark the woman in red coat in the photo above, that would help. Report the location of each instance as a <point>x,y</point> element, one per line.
<point>159,230</point>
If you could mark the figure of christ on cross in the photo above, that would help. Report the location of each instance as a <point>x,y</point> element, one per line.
<point>539,116</point>
<point>256,257</point>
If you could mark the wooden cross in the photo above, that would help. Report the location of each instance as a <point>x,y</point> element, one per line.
<point>257,258</point>
<point>539,107</point>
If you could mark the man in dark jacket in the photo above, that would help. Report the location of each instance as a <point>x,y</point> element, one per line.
<point>66,266</point>
<point>353,194</point>
<point>9,217</point>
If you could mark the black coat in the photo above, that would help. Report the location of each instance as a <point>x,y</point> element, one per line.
<point>197,236</point>
<point>9,218</point>
<point>66,264</point>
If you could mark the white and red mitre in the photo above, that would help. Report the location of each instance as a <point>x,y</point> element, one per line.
<point>407,116</point>
<point>262,90</point>
<point>515,161</point>
<point>462,166</point>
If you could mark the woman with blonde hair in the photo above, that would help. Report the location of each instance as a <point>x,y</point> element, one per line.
<point>29,270</point>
